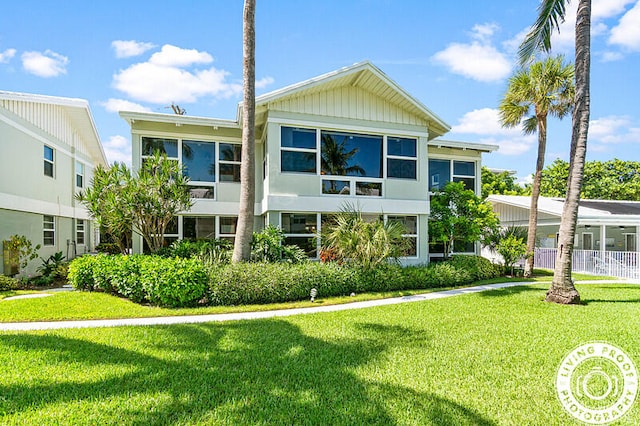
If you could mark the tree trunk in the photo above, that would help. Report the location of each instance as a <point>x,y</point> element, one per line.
<point>535,195</point>
<point>244,231</point>
<point>562,289</point>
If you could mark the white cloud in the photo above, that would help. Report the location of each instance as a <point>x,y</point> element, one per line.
<point>264,82</point>
<point>627,32</point>
<point>116,105</point>
<point>129,48</point>
<point>7,55</point>
<point>478,60</point>
<point>611,56</point>
<point>118,148</point>
<point>47,64</point>
<point>613,129</point>
<point>172,56</point>
<point>168,77</point>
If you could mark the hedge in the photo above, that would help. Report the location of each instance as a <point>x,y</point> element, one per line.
<point>170,282</point>
<point>8,283</point>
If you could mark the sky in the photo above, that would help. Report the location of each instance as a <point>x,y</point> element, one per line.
<point>455,57</point>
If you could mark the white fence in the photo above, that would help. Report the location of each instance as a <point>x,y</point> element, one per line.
<point>622,264</point>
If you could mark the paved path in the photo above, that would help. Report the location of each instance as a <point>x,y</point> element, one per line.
<point>191,319</point>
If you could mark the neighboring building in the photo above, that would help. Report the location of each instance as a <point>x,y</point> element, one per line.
<point>349,136</point>
<point>602,225</point>
<point>49,148</point>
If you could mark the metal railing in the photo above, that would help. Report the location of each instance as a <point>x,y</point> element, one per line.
<point>621,264</point>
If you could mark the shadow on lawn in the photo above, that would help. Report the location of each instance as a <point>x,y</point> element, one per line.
<point>264,371</point>
<point>509,291</point>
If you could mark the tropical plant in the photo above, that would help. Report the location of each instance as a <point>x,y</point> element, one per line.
<point>551,14</point>
<point>459,215</point>
<point>21,251</point>
<point>545,87</point>
<point>366,244</point>
<point>511,249</point>
<point>268,246</point>
<point>50,265</point>
<point>244,230</point>
<point>503,183</point>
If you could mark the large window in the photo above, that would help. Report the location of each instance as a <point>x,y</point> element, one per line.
<point>48,161</point>
<point>300,229</point>
<point>230,162</point>
<point>298,149</point>
<point>401,158</point>
<point>199,161</point>
<point>442,172</point>
<point>197,228</point>
<point>410,224</point>
<point>48,230</point>
<point>80,231</point>
<point>79,174</point>
<point>351,154</point>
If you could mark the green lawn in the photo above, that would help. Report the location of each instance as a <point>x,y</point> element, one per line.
<point>477,359</point>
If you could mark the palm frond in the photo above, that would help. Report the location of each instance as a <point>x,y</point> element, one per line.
<point>551,14</point>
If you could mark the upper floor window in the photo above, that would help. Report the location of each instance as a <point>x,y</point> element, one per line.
<point>402,158</point>
<point>79,174</point>
<point>298,149</point>
<point>351,154</point>
<point>442,172</point>
<point>48,161</point>
<point>230,162</point>
<point>199,161</point>
<point>48,230</point>
<point>164,146</point>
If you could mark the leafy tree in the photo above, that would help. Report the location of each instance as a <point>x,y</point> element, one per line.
<point>603,180</point>
<point>545,87</point>
<point>551,14</point>
<point>366,244</point>
<point>105,198</point>
<point>155,197</point>
<point>244,231</point>
<point>459,215</point>
<point>499,183</point>
<point>21,251</point>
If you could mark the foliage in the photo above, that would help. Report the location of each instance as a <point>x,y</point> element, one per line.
<point>50,265</point>
<point>108,248</point>
<point>156,196</point>
<point>502,183</point>
<point>171,282</point>
<point>8,283</point>
<point>268,246</point>
<point>21,251</point>
<point>106,199</point>
<point>458,215</point>
<point>206,250</point>
<point>250,283</point>
<point>352,240</point>
<point>511,249</point>
<point>603,180</point>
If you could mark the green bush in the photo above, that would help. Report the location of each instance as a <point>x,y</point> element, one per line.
<point>8,283</point>
<point>108,248</point>
<point>80,274</point>
<point>478,267</point>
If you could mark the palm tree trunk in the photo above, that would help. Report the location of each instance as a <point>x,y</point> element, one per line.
<point>562,289</point>
<point>535,195</point>
<point>244,231</point>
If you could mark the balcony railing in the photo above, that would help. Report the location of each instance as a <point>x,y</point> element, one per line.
<point>621,264</point>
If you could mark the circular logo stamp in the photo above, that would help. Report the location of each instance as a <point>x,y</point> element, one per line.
<point>597,383</point>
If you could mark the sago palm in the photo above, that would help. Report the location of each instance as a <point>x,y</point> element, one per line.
<point>545,88</point>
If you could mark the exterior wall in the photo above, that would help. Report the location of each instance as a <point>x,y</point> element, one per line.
<point>26,193</point>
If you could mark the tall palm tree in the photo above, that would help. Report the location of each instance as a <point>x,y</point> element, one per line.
<point>244,231</point>
<point>551,13</point>
<point>546,87</point>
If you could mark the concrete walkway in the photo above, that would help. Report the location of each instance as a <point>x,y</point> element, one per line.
<point>192,319</point>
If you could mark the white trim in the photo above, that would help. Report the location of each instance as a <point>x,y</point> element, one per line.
<point>327,204</point>
<point>131,117</point>
<point>196,137</point>
<point>327,125</point>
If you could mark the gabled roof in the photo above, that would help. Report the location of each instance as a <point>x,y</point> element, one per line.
<point>78,112</point>
<point>363,75</point>
<point>587,209</point>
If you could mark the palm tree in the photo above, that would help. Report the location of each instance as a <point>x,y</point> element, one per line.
<point>551,13</point>
<point>546,87</point>
<point>244,231</point>
<point>335,159</point>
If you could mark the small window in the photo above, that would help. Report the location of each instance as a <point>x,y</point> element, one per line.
<point>49,230</point>
<point>230,162</point>
<point>439,174</point>
<point>79,174</point>
<point>197,228</point>
<point>465,172</point>
<point>164,146</point>
<point>298,150</point>
<point>369,189</point>
<point>410,224</point>
<point>202,192</point>
<point>228,226</point>
<point>300,229</point>
<point>402,158</point>
<point>80,231</point>
<point>48,161</point>
<point>337,187</point>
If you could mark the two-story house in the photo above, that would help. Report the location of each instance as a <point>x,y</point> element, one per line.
<point>352,136</point>
<point>49,149</point>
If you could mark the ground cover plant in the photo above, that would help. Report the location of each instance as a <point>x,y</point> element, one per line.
<point>477,359</point>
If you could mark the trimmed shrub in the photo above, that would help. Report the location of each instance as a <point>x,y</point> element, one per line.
<point>478,267</point>
<point>125,276</point>
<point>173,282</point>
<point>80,274</point>
<point>8,283</point>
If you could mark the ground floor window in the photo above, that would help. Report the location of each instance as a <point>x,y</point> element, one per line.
<point>80,231</point>
<point>301,229</point>
<point>411,232</point>
<point>49,230</point>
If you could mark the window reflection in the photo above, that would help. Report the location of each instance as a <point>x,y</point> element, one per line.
<point>350,154</point>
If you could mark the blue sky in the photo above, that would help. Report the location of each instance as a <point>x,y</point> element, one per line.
<point>455,57</point>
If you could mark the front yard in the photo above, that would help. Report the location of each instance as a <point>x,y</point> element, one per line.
<point>486,358</point>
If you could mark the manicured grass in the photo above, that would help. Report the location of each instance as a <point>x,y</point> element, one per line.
<point>477,359</point>
<point>95,305</point>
